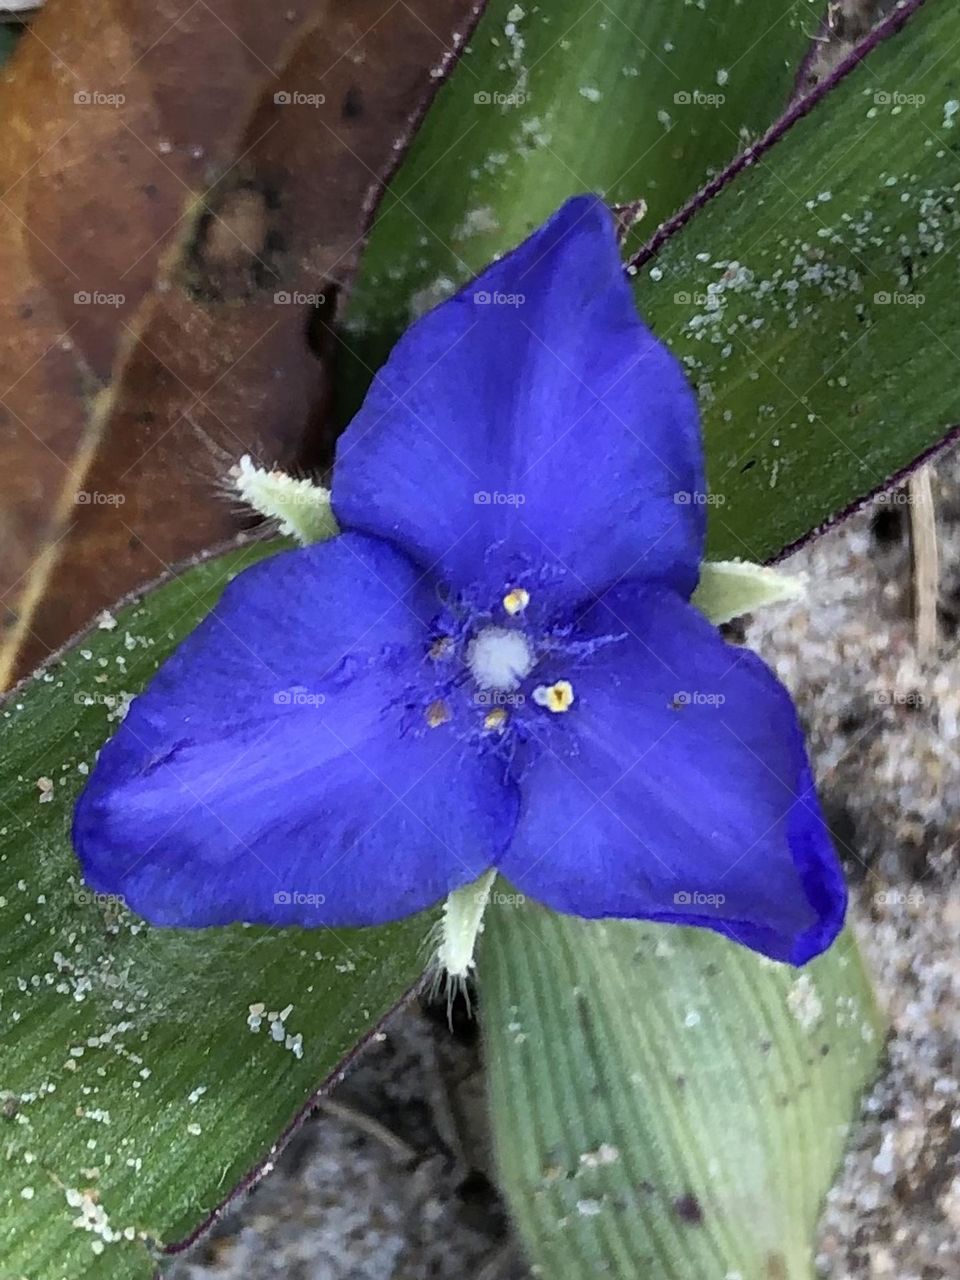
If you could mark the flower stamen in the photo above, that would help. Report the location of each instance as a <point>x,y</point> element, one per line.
<point>516,600</point>
<point>555,697</point>
<point>437,713</point>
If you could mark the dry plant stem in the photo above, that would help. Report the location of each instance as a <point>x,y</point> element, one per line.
<point>373,1128</point>
<point>446,1115</point>
<point>926,560</point>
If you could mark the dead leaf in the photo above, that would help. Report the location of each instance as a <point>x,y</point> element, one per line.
<point>208,216</point>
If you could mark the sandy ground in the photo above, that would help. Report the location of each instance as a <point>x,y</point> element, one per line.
<point>882,728</point>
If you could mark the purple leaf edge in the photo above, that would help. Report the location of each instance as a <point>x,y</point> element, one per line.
<point>259,1165</point>
<point>264,1165</point>
<point>800,107</point>
<point>931,454</point>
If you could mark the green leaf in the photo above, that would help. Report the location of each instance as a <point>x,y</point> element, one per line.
<point>667,1104</point>
<point>134,1092</point>
<point>552,100</point>
<point>816,300</point>
<point>813,392</point>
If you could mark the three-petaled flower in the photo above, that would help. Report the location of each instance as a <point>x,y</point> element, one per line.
<point>495,664</point>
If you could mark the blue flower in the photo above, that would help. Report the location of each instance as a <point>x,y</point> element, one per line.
<point>496,664</point>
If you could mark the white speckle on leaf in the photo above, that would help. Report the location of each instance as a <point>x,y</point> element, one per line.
<point>425,299</point>
<point>604,1154</point>
<point>94,1113</point>
<point>476,222</point>
<point>92,1216</point>
<point>803,1001</point>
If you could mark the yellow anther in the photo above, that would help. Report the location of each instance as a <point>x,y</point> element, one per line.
<point>437,713</point>
<point>516,601</point>
<point>495,719</point>
<point>442,647</point>
<point>555,697</point>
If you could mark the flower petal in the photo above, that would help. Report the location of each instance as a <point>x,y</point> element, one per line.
<point>279,770</point>
<point>533,425</point>
<point>676,787</point>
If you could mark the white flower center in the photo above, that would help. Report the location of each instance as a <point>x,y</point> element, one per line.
<point>499,659</point>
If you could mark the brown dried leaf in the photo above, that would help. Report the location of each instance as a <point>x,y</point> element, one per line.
<point>186,212</point>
